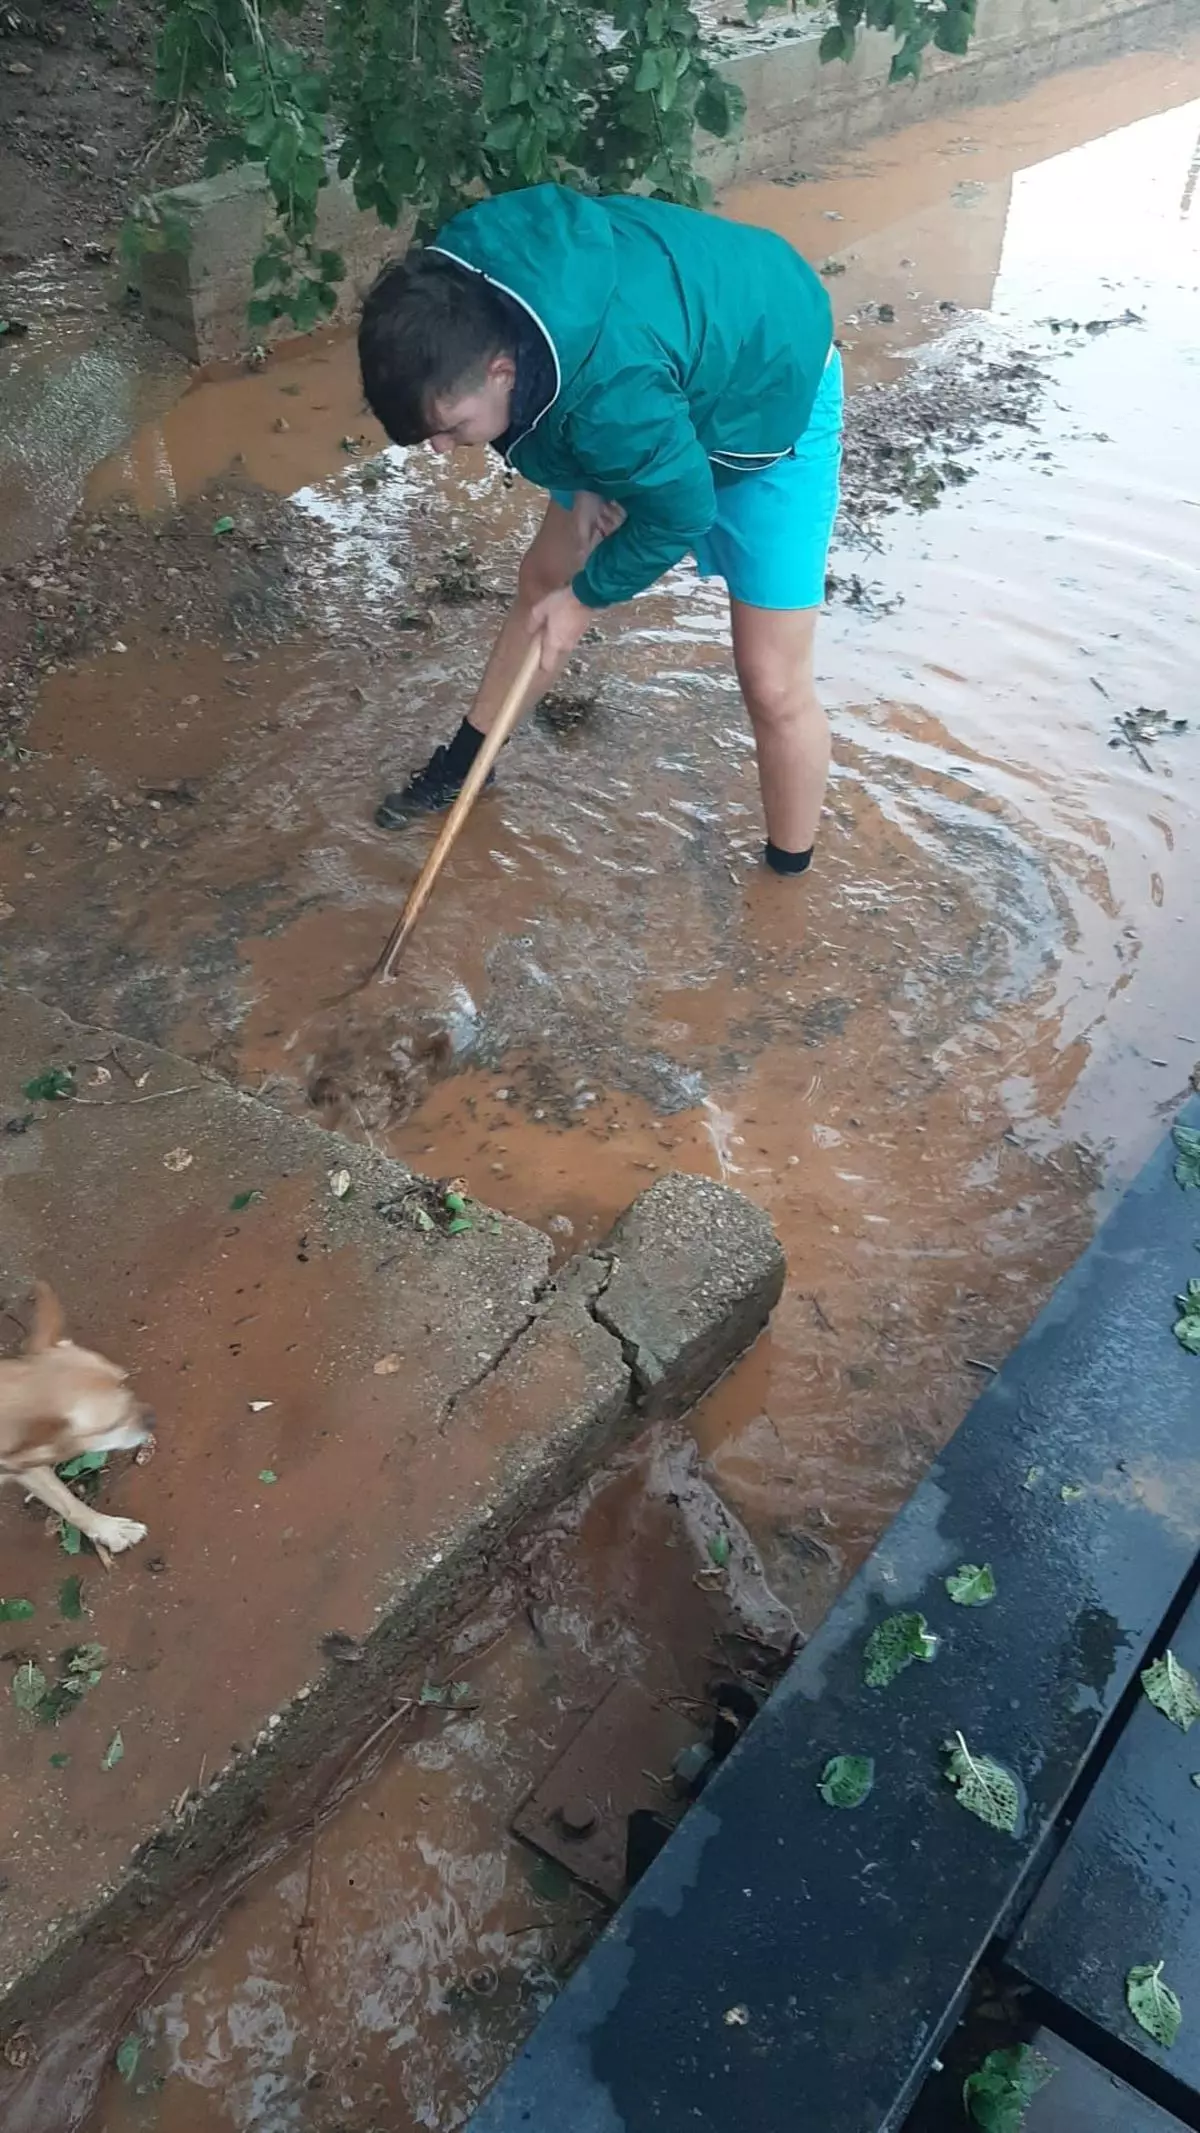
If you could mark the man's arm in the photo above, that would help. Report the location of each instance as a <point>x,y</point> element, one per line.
<point>657,469</point>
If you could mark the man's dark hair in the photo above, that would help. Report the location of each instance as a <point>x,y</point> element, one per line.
<point>429,329</point>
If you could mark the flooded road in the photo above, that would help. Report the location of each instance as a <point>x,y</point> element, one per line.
<point>932,1061</point>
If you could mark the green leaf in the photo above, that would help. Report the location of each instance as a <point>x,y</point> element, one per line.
<point>59,1761</point>
<point>983,1787</point>
<point>893,1644</point>
<point>649,73</point>
<point>129,2051</point>
<point>263,311</point>
<point>268,1475</point>
<point>83,1463</point>
<point>70,1599</point>
<point>846,1780</point>
<point>28,1686</point>
<point>222,525</point>
<point>1173,1691</point>
<point>1187,1161</point>
<point>242,1200</point>
<point>998,2094</point>
<point>718,1550</point>
<point>441,1693</point>
<point>70,1539</point>
<point>52,1087</point>
<point>1153,2005</point>
<point>972,1585</point>
<point>837,43</point>
<point>459,1224</point>
<point>714,111</point>
<point>268,268</point>
<point>1187,1328</point>
<point>16,1610</point>
<point>454,1203</point>
<point>113,1753</point>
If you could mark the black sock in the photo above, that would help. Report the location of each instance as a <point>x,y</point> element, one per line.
<point>463,749</point>
<point>782,862</point>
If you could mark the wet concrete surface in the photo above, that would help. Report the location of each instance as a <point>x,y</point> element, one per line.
<point>930,1065</point>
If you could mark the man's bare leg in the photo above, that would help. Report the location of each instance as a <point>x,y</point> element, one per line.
<point>773,653</point>
<point>560,547</point>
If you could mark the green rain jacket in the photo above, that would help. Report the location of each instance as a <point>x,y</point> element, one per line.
<point>687,353</point>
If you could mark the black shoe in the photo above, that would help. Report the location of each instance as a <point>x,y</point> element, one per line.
<point>427,792</point>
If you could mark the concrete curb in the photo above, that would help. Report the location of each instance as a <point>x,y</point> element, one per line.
<point>557,1376</point>
<point>798,112</point>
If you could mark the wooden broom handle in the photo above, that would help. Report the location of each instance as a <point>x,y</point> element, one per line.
<point>493,741</point>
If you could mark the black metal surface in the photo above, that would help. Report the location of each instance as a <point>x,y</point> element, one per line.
<point>784,1965</point>
<point>1124,1889</point>
<point>1079,2097</point>
<point>1082,2098</point>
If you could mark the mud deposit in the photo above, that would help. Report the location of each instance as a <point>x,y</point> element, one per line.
<point>930,1061</point>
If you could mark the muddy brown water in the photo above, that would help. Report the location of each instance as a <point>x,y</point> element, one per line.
<point>931,1062</point>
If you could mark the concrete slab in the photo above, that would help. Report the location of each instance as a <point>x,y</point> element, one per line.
<point>297,1490</point>
<point>781,1956</point>
<point>1126,1888</point>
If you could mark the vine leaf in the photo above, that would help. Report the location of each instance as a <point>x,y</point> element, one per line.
<point>972,1585</point>
<point>1173,1691</point>
<point>998,2094</point>
<point>983,1787</point>
<point>893,1644</point>
<point>846,1780</point>
<point>1153,2005</point>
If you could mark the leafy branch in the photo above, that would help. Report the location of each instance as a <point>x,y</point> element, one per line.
<point>429,105</point>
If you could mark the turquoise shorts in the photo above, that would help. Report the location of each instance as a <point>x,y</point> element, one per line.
<point>770,540</point>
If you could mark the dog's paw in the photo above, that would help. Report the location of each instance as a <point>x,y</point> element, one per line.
<point>117,1533</point>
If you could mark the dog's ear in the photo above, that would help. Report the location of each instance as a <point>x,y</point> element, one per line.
<point>49,1320</point>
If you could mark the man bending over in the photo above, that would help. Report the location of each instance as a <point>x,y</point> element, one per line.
<point>670,379</point>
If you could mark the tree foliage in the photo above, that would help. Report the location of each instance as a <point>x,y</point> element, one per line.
<point>427,104</point>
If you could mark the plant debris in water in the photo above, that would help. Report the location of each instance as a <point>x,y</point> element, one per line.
<point>80,1668</point>
<point>562,714</point>
<point>983,1787</point>
<point>1153,2005</point>
<point>55,1086</point>
<point>998,2094</point>
<point>893,1644</point>
<point>847,1780</point>
<point>1173,1691</point>
<point>904,439</point>
<point>1187,1157</point>
<point>442,1695</point>
<point>1187,1326</point>
<point>972,1585</point>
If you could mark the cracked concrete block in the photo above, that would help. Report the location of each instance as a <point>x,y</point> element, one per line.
<point>696,1269</point>
<point>196,288</point>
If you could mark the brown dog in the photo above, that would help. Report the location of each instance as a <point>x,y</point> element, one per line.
<point>56,1401</point>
